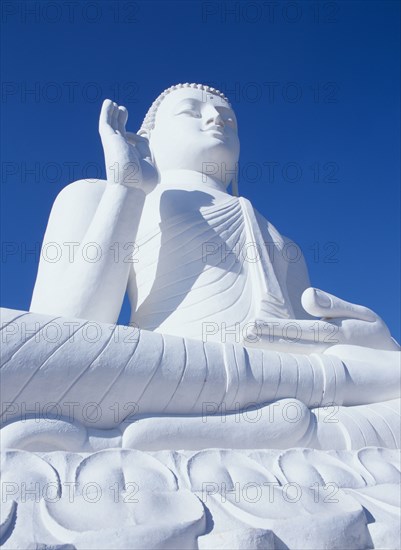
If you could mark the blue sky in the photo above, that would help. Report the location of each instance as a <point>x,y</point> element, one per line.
<point>315,86</point>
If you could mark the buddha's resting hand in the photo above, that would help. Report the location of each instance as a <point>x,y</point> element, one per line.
<point>356,325</point>
<point>127,155</point>
<point>341,323</point>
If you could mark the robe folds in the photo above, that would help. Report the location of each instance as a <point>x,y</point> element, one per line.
<point>215,270</point>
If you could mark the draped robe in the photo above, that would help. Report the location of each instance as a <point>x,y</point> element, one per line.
<point>214,271</point>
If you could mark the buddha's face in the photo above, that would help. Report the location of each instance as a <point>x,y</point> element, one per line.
<point>195,130</point>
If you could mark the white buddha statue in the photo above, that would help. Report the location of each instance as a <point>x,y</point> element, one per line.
<point>204,264</point>
<point>216,325</point>
<point>224,381</point>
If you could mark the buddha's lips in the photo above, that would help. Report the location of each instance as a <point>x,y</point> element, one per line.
<point>216,129</point>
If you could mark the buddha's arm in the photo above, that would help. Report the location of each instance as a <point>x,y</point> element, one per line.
<point>288,263</point>
<point>341,323</point>
<point>297,277</point>
<point>92,229</point>
<point>94,226</point>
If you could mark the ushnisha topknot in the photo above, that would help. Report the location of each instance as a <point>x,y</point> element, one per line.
<point>149,120</point>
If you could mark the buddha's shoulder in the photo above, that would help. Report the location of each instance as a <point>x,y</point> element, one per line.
<point>81,190</point>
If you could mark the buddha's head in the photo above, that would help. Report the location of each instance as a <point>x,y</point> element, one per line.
<point>193,127</point>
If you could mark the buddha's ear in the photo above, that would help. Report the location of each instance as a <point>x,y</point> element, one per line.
<point>145,134</point>
<point>141,142</point>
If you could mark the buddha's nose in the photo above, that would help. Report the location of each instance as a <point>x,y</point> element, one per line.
<point>214,117</point>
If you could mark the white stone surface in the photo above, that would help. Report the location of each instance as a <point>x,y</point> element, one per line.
<point>299,498</point>
<point>209,423</point>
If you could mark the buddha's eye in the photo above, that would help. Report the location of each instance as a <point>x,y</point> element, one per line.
<point>190,112</point>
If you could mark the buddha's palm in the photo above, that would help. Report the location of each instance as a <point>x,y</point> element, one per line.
<point>355,324</point>
<point>127,155</point>
<point>341,323</point>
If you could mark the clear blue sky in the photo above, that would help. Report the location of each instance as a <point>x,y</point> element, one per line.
<point>315,86</point>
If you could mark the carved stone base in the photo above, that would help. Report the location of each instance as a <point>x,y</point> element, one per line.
<point>123,498</point>
<point>85,409</point>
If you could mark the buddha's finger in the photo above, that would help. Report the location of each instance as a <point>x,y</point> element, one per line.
<point>322,304</point>
<point>122,118</point>
<point>105,118</point>
<point>114,117</point>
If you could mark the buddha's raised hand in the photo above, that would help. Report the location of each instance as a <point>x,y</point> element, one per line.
<point>127,155</point>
